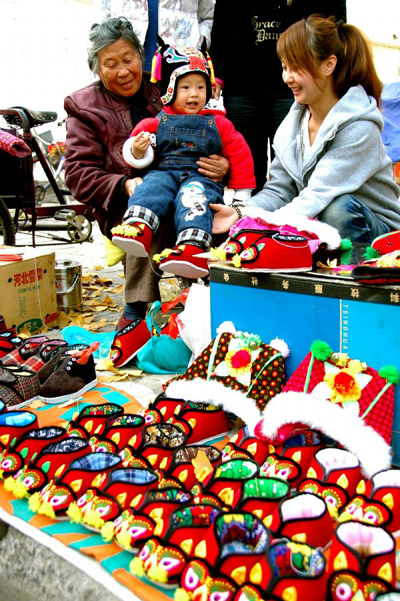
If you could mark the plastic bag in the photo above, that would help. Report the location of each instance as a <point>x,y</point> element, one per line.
<point>162,354</point>
<point>194,322</point>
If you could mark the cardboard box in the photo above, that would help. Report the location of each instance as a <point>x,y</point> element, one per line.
<point>362,321</point>
<point>28,298</point>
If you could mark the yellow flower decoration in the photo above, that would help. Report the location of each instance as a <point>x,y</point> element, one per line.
<point>344,386</point>
<point>355,366</point>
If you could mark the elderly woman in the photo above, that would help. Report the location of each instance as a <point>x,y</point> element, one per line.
<point>100,119</point>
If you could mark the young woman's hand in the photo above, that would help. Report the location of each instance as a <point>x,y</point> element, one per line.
<point>224,218</point>
<point>214,167</point>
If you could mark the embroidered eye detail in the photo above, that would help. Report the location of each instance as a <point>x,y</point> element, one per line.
<point>28,481</point>
<point>344,592</point>
<point>103,509</point>
<point>137,531</point>
<point>8,463</point>
<point>284,472</point>
<point>58,500</point>
<point>191,580</point>
<point>169,563</point>
<point>249,254</point>
<point>233,247</point>
<point>372,515</point>
<point>220,596</point>
<point>344,587</point>
<point>147,550</point>
<point>331,499</point>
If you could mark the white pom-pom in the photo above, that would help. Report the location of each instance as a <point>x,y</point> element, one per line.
<point>281,346</point>
<point>226,326</point>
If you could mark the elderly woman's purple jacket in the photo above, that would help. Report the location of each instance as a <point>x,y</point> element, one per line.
<point>98,124</point>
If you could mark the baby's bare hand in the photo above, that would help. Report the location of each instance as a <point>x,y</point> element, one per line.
<point>140,144</point>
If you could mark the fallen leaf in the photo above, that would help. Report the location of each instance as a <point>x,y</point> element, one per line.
<point>118,289</point>
<point>63,320</point>
<point>36,404</point>
<point>119,378</point>
<point>106,365</point>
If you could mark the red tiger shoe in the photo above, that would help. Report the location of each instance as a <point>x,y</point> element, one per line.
<point>238,242</point>
<point>280,252</point>
<point>128,342</point>
<point>9,341</point>
<point>183,260</point>
<point>133,238</point>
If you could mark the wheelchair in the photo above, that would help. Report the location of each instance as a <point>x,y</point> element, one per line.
<point>19,206</point>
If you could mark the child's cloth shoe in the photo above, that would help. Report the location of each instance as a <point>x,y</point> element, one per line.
<point>183,260</point>
<point>74,376</point>
<point>128,342</point>
<point>23,351</point>
<point>18,388</point>
<point>280,252</point>
<point>133,238</point>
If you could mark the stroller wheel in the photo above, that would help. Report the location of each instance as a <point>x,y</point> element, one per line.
<point>79,228</point>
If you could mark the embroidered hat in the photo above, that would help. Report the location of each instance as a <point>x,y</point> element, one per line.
<point>344,399</point>
<point>172,62</point>
<point>236,371</point>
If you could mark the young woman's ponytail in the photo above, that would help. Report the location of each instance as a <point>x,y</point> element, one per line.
<point>307,43</point>
<point>356,66</point>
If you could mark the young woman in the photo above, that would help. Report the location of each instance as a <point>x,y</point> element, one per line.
<point>330,162</point>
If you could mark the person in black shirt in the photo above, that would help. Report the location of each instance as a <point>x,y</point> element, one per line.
<point>248,69</point>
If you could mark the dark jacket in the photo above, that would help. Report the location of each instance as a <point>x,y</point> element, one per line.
<point>244,37</point>
<point>98,124</point>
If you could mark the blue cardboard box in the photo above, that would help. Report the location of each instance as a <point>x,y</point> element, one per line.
<point>362,321</point>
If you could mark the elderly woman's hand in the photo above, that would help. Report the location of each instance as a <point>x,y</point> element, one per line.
<point>131,184</point>
<point>215,167</point>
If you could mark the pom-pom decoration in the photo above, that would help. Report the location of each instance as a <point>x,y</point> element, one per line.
<point>390,373</point>
<point>281,346</point>
<point>321,350</point>
<point>346,244</point>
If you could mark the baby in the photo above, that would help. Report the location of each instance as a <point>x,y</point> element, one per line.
<point>185,130</point>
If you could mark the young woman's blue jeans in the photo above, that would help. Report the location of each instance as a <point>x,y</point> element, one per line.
<point>353,219</point>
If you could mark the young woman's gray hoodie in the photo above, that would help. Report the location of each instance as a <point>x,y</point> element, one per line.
<point>347,157</point>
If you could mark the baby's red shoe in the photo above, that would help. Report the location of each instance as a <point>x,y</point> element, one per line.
<point>183,260</point>
<point>133,238</point>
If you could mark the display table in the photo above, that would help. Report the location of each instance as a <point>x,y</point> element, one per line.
<point>362,321</point>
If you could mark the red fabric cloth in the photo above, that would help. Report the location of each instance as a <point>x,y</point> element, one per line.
<point>13,145</point>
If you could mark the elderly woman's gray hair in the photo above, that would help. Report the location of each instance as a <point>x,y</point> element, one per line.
<point>106,33</point>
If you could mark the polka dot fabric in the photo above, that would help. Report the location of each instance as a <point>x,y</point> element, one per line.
<point>265,369</point>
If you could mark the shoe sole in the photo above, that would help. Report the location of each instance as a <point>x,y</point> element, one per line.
<point>21,405</point>
<point>130,246</point>
<point>67,397</point>
<point>184,269</point>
